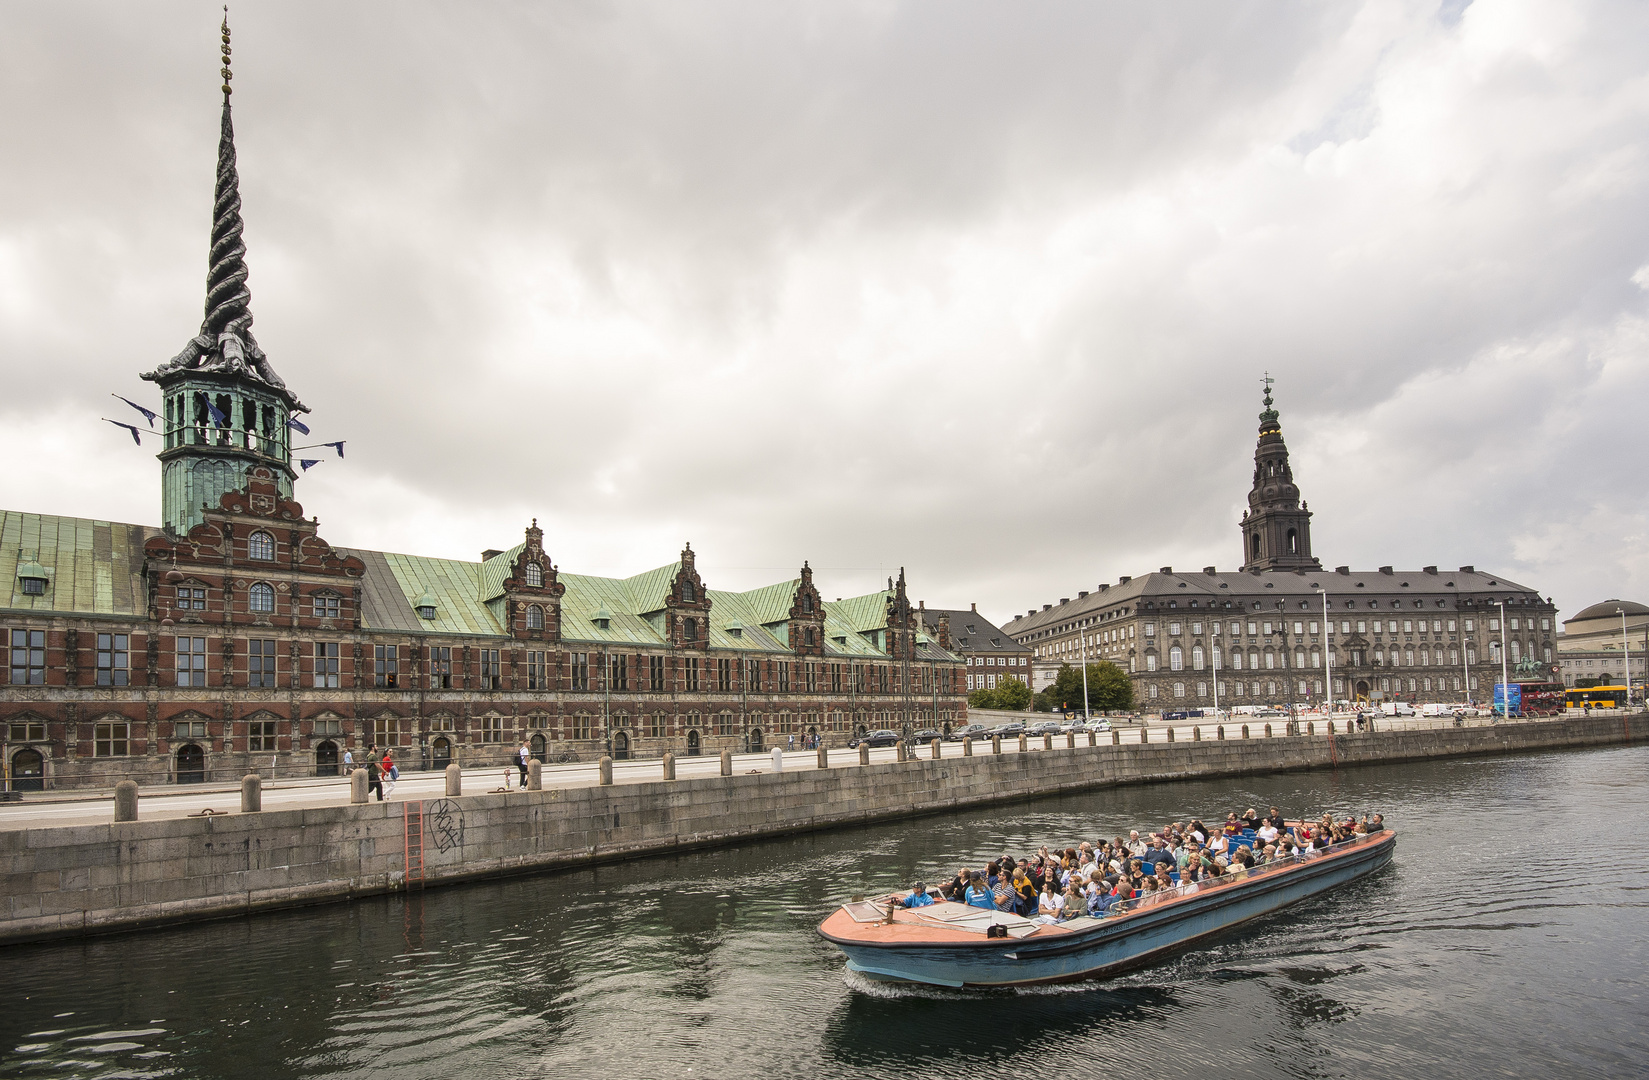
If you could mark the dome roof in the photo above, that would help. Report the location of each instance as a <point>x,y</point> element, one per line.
<point>1609,609</point>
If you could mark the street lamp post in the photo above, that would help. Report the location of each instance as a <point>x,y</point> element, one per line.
<point>1505,671</point>
<point>1328,661</point>
<point>1082,638</point>
<point>1626,660</point>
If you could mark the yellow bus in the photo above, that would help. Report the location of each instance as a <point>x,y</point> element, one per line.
<point>1597,697</point>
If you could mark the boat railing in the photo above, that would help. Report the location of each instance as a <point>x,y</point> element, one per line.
<point>1210,884</point>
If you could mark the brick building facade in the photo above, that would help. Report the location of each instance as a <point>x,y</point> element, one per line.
<point>233,636</point>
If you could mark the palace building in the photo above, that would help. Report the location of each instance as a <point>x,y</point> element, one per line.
<point>1282,629</point>
<point>233,637</point>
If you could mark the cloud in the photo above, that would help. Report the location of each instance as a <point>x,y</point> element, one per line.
<point>983,292</point>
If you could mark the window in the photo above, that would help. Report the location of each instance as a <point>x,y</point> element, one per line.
<point>753,676</point>
<point>656,726</point>
<point>1175,659</point>
<point>1196,628</point>
<point>618,671</point>
<point>386,731</point>
<point>810,677</point>
<point>535,671</point>
<point>190,598</point>
<point>28,731</point>
<point>535,576</point>
<point>112,739</point>
<point>260,662</point>
<point>691,664</point>
<point>332,726</point>
<point>440,667</point>
<point>491,673</point>
<point>689,630</point>
<point>324,606</point>
<point>261,546</point>
<point>1236,659</point>
<point>836,678</point>
<point>1196,658</point>
<point>535,614</point>
<point>492,727</point>
<point>386,666</point>
<point>326,664</point>
<point>1173,629</point>
<point>260,735</point>
<point>33,586</point>
<point>1150,661</point>
<point>581,673</point>
<point>1270,659</point>
<point>1150,629</point>
<point>687,594</point>
<point>261,598</point>
<point>784,677</point>
<point>191,661</point>
<point>112,660</point>
<point>1298,629</point>
<point>655,673</point>
<point>724,674</point>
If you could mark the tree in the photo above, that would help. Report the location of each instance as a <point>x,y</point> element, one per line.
<point>1109,689</point>
<point>1013,694</point>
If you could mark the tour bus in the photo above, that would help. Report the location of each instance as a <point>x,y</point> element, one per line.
<point>1597,697</point>
<point>1540,699</point>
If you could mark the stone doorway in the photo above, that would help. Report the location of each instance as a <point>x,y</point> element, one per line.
<point>440,752</point>
<point>191,764</point>
<point>753,741</point>
<point>621,746</point>
<point>692,744</point>
<point>28,770</point>
<point>535,747</point>
<point>326,759</point>
<point>1362,689</point>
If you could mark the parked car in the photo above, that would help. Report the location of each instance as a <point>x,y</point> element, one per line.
<point>1045,727</point>
<point>926,735</point>
<point>971,731</point>
<point>883,737</point>
<point>1099,723</point>
<point>1006,730</point>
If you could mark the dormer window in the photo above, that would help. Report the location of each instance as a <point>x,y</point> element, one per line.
<point>261,546</point>
<point>807,604</point>
<point>687,594</point>
<point>425,605</point>
<point>602,617</point>
<point>535,576</point>
<point>31,577</point>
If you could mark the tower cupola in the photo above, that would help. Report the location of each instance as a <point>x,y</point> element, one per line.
<point>1276,530</point>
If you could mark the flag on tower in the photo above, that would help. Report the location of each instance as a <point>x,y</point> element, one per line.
<point>308,463</point>
<point>148,415</point>
<point>339,445</point>
<point>217,414</point>
<point>299,425</point>
<point>136,437</point>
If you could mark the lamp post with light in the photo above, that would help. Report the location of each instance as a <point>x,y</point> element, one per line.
<point>1505,670</point>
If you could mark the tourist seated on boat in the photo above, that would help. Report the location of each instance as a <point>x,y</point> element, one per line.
<point>1074,904</point>
<point>1157,852</point>
<point>1136,846</point>
<point>1374,824</point>
<point>1251,819</point>
<point>918,896</point>
<point>1198,831</point>
<point>1232,826</point>
<point>978,894</point>
<point>956,887</point>
<point>1025,892</point>
<point>1275,817</point>
<point>1006,898</point>
<point>1267,832</point>
<point>1051,904</point>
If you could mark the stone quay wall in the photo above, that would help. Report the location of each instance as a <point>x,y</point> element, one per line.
<point>70,881</point>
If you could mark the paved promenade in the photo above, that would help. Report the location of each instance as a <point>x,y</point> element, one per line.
<point>90,807</point>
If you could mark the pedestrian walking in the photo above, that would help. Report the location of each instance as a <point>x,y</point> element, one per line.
<point>522,756</point>
<point>391,773</point>
<point>374,777</point>
<point>349,761</point>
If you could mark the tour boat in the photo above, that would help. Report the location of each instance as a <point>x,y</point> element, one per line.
<point>951,944</point>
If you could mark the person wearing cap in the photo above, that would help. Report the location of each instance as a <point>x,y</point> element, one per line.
<point>918,896</point>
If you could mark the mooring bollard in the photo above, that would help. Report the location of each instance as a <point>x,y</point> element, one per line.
<point>1196,734</point>
<point>455,780</point>
<point>535,775</point>
<point>727,763</point>
<point>251,794</point>
<point>357,786</point>
<point>1116,737</point>
<point>938,751</point>
<point>605,768</point>
<point>1245,731</point>
<point>1144,734</point>
<point>864,753</point>
<point>902,752</point>
<point>126,800</point>
<point>1268,731</point>
<point>824,757</point>
<point>1170,734</point>
<point>1093,739</point>
<point>1070,740</point>
<point>1331,727</point>
<point>996,744</point>
<point>1219,733</point>
<point>778,759</point>
<point>1310,728</point>
<point>1047,740</point>
<point>967,746</point>
<point>1023,744</point>
<point>669,766</point>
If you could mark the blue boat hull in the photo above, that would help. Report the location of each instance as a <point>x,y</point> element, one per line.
<point>1116,944</point>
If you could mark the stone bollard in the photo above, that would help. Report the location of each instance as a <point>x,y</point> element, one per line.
<point>967,746</point>
<point>1196,734</point>
<point>669,766</point>
<point>778,759</point>
<point>126,800</point>
<point>937,745</point>
<point>1144,734</point>
<point>824,757</point>
<point>904,755</point>
<point>455,780</point>
<point>535,775</point>
<point>604,770</point>
<point>996,744</point>
<point>1245,731</point>
<point>1047,740</point>
<point>1024,745</point>
<point>357,786</point>
<point>1331,727</point>
<point>864,753</point>
<point>251,794</point>
<point>727,763</point>
<point>1219,733</point>
<point>1070,740</point>
<point>1093,739</point>
<point>1170,734</point>
<point>1268,731</point>
<point>1116,737</point>
<point>1310,727</point>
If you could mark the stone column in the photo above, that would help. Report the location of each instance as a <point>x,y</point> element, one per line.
<point>1024,743</point>
<point>535,775</point>
<point>669,766</point>
<point>937,751</point>
<point>1268,731</point>
<point>778,760</point>
<point>727,763</point>
<point>1170,734</point>
<point>126,800</point>
<point>1116,737</point>
<point>1245,731</point>
<point>251,794</point>
<point>1047,740</point>
<point>864,753</point>
<point>824,756</point>
<point>967,746</point>
<point>1070,740</point>
<point>1310,727</point>
<point>1219,733</point>
<point>357,786</point>
<point>1196,734</point>
<point>1144,734</point>
<point>1093,738</point>
<point>902,751</point>
<point>455,780</point>
<point>604,768</point>
<point>996,744</point>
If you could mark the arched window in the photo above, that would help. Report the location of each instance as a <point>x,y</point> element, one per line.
<point>260,545</point>
<point>1176,659</point>
<point>261,597</point>
<point>535,614</point>
<point>687,594</point>
<point>1517,650</point>
<point>1196,658</point>
<point>1293,542</point>
<point>1254,543</point>
<point>807,603</point>
<point>689,629</point>
<point>535,576</point>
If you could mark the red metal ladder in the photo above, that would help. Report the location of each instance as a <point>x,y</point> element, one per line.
<point>413,817</point>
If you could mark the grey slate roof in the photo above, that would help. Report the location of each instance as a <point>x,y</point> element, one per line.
<point>970,631</point>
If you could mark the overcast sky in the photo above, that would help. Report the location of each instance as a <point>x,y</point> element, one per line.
<point>983,290</point>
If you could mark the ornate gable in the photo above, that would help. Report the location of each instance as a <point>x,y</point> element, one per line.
<point>901,621</point>
<point>533,591</point>
<point>806,617</point>
<point>687,607</point>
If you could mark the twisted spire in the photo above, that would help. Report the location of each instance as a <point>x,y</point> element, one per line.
<point>225,343</point>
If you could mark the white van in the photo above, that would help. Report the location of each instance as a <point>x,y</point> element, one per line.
<point>1396,708</point>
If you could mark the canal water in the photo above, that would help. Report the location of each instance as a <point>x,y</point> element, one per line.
<point>1506,939</point>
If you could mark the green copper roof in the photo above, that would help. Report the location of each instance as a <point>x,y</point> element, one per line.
<point>92,567</point>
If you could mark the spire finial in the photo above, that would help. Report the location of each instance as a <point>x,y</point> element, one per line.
<point>1268,418</point>
<point>227,74</point>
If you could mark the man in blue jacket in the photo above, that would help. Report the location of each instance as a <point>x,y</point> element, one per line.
<point>918,896</point>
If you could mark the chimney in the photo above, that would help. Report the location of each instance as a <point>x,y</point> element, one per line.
<point>1468,569</point>
<point>944,631</point>
<point>1432,570</point>
<point>1063,600</point>
<point>1343,570</point>
<point>1081,594</point>
<point>490,553</point>
<point>974,608</point>
<point>1385,570</point>
<point>1045,607</point>
<point>1168,570</point>
<point>1208,570</point>
<point>1103,586</point>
